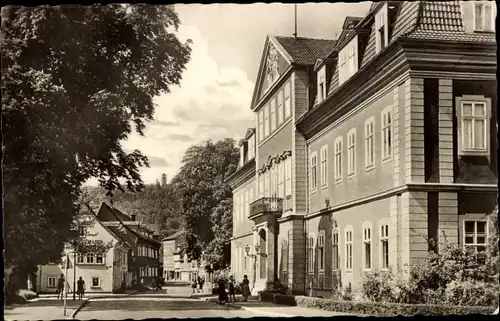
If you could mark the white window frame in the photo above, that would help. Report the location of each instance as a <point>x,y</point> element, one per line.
<point>281,179</point>
<point>49,285</point>
<point>311,243</point>
<point>288,100</point>
<point>288,177</point>
<point>266,121</point>
<point>90,258</point>
<point>272,106</point>
<point>369,129</point>
<point>321,77</point>
<point>351,152</point>
<point>335,244</point>
<point>314,171</point>
<point>321,251</point>
<point>337,159</point>
<point>261,185</point>
<point>348,241</point>
<point>260,116</point>
<point>342,67</point>
<point>348,60</point>
<point>267,192</point>
<point>367,228</point>
<point>387,133</point>
<point>381,21</point>
<point>280,108</point>
<point>384,239</point>
<point>97,257</point>
<point>474,100</point>
<point>487,26</point>
<point>92,283</point>
<point>475,244</point>
<point>80,259</point>
<point>324,166</point>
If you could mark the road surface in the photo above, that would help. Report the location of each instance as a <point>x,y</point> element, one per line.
<point>143,308</point>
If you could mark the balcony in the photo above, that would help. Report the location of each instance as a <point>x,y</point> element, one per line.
<point>266,205</point>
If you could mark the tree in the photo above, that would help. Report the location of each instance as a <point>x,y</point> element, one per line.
<point>206,197</point>
<point>76,80</point>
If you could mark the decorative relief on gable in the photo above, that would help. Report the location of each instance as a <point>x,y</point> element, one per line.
<point>274,160</point>
<point>272,72</point>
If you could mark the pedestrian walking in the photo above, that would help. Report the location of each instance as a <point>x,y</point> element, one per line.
<point>222,291</point>
<point>60,287</point>
<point>201,283</point>
<point>81,288</point>
<point>245,288</point>
<point>231,289</point>
<point>193,285</point>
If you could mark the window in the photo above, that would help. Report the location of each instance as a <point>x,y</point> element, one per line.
<point>247,202</point>
<point>310,253</point>
<point>321,84</point>
<point>484,16</point>
<point>273,181</point>
<point>476,235</point>
<point>266,184</point>
<point>321,251</point>
<point>261,185</point>
<point>51,283</point>
<point>386,133</point>
<point>348,249</point>
<point>288,105</point>
<point>324,166</point>
<point>99,259</point>
<point>351,152</point>
<point>261,125</point>
<point>338,159</point>
<point>266,121</point>
<point>80,259</point>
<point>236,208</point>
<point>90,259</point>
<point>369,143</point>
<point>381,28</point>
<point>272,106</point>
<point>335,249</point>
<point>367,247</point>
<point>95,282</point>
<point>280,107</point>
<point>281,179</point>
<point>288,176</point>
<point>314,183</point>
<point>348,60</point>
<point>242,206</point>
<point>384,245</point>
<point>474,126</point>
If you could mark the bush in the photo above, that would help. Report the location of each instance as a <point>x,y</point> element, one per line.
<point>26,294</point>
<point>277,287</point>
<point>346,293</point>
<point>471,293</point>
<point>389,309</point>
<point>378,286</point>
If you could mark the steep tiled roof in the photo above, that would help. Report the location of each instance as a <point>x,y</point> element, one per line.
<point>452,36</point>
<point>174,236</point>
<point>441,16</point>
<point>305,51</point>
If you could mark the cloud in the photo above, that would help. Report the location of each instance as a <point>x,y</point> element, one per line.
<point>212,102</point>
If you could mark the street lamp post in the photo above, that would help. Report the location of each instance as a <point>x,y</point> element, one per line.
<point>74,269</point>
<point>254,256</point>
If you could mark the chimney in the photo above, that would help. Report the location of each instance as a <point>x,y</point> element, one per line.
<point>163,180</point>
<point>133,217</point>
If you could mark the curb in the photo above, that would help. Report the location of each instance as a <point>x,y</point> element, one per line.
<point>273,314</point>
<point>81,306</point>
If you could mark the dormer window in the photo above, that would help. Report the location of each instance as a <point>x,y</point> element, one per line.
<point>321,84</point>
<point>348,60</point>
<point>484,17</point>
<point>381,29</point>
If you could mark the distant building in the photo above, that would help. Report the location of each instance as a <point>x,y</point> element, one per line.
<point>104,273</point>
<point>369,144</point>
<point>176,266</point>
<point>163,180</point>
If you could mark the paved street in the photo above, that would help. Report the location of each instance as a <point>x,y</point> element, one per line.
<point>142,308</point>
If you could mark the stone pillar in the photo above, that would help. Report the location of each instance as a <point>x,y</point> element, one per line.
<point>448,218</point>
<point>297,256</point>
<point>446,131</point>
<point>414,131</point>
<point>394,232</point>
<point>413,222</point>
<point>271,252</point>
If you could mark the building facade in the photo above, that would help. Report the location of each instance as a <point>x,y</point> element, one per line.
<point>176,264</point>
<point>101,273</point>
<point>369,145</point>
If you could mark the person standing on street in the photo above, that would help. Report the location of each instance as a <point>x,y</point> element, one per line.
<point>193,285</point>
<point>81,288</point>
<point>245,288</point>
<point>222,291</point>
<point>202,281</point>
<point>231,289</point>
<point>60,287</point>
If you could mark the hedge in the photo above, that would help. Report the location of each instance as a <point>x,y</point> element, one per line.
<point>390,309</point>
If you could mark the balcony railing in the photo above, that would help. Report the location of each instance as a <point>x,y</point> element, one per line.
<point>266,205</point>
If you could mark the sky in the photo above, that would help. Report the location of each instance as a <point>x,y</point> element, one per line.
<point>213,99</point>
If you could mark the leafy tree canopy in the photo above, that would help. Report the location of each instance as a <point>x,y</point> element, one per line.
<point>76,80</point>
<point>206,197</point>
